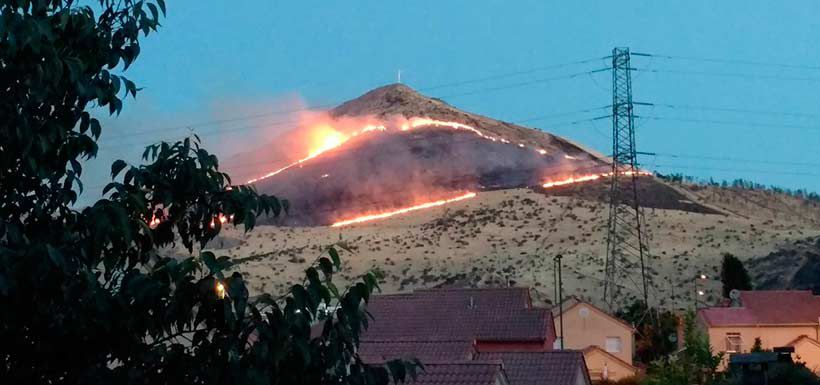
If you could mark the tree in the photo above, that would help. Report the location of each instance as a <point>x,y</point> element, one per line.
<point>86,295</point>
<point>757,347</point>
<point>693,365</point>
<point>655,330</point>
<point>734,275</point>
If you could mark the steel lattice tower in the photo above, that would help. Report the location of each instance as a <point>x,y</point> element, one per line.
<point>625,237</point>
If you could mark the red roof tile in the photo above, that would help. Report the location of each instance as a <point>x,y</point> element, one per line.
<point>540,368</point>
<point>459,314</point>
<point>461,373</point>
<point>425,351</point>
<point>770,307</point>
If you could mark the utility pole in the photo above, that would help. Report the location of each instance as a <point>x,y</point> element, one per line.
<point>625,233</point>
<point>560,290</point>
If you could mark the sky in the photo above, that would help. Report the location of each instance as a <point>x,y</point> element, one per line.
<point>215,67</point>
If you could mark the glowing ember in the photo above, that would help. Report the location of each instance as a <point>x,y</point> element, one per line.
<point>220,290</point>
<point>371,217</point>
<point>590,177</point>
<point>222,219</point>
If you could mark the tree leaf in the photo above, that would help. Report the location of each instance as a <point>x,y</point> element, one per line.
<point>117,166</point>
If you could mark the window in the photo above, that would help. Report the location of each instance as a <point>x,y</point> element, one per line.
<point>613,344</point>
<point>734,343</point>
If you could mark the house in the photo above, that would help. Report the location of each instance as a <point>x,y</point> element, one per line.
<point>496,318</point>
<point>607,342</point>
<point>779,318</point>
<point>470,336</point>
<point>462,373</point>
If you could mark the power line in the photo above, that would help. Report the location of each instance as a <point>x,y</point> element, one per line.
<point>729,122</point>
<point>728,159</point>
<point>731,61</point>
<point>524,84</point>
<point>329,105</point>
<point>283,123</point>
<point>730,109</point>
<point>728,74</point>
<point>755,171</point>
<point>511,74</point>
<point>544,117</point>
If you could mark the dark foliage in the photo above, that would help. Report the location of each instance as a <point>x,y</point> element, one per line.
<point>656,331</point>
<point>734,275</point>
<point>695,364</point>
<point>86,296</point>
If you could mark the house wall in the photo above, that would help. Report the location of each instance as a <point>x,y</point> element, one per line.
<point>597,361</point>
<point>593,330</point>
<point>809,353</point>
<point>770,337</point>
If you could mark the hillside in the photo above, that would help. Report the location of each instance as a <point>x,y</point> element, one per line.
<point>510,236</point>
<point>393,147</point>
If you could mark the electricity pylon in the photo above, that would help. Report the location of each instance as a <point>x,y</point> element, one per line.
<point>626,231</point>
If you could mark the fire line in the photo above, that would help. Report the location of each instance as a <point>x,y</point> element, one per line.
<point>590,177</point>
<point>366,218</point>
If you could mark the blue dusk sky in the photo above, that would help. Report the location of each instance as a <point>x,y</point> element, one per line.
<point>734,83</point>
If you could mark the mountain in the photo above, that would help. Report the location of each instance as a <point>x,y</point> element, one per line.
<point>393,147</point>
<point>514,222</point>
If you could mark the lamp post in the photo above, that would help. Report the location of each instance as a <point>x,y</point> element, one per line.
<point>699,290</point>
<point>560,290</point>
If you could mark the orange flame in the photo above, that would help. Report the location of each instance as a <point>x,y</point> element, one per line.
<point>590,177</point>
<point>323,138</point>
<point>371,217</point>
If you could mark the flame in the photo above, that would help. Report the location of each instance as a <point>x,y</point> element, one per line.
<point>590,177</point>
<point>323,138</point>
<point>371,217</point>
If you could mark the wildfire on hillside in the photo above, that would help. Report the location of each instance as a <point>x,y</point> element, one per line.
<point>322,133</point>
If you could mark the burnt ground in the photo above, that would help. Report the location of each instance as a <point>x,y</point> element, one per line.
<point>401,169</point>
<point>652,193</point>
<point>791,266</point>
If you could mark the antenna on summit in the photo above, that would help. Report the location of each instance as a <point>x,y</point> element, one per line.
<point>398,80</point>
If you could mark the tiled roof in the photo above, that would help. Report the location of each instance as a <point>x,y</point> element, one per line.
<point>771,307</point>
<point>803,337</point>
<point>461,373</point>
<point>540,368</point>
<point>594,348</point>
<point>573,301</point>
<point>424,351</point>
<point>458,314</point>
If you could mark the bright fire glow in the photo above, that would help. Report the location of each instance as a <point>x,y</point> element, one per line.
<point>323,138</point>
<point>387,214</point>
<point>589,177</point>
<point>222,220</point>
<point>220,290</point>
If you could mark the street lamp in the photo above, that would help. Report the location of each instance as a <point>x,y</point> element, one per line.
<point>699,292</point>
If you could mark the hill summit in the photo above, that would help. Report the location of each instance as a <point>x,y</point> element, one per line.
<point>393,148</point>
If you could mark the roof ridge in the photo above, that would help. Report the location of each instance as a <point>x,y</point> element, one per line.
<point>598,348</point>
<point>414,340</point>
